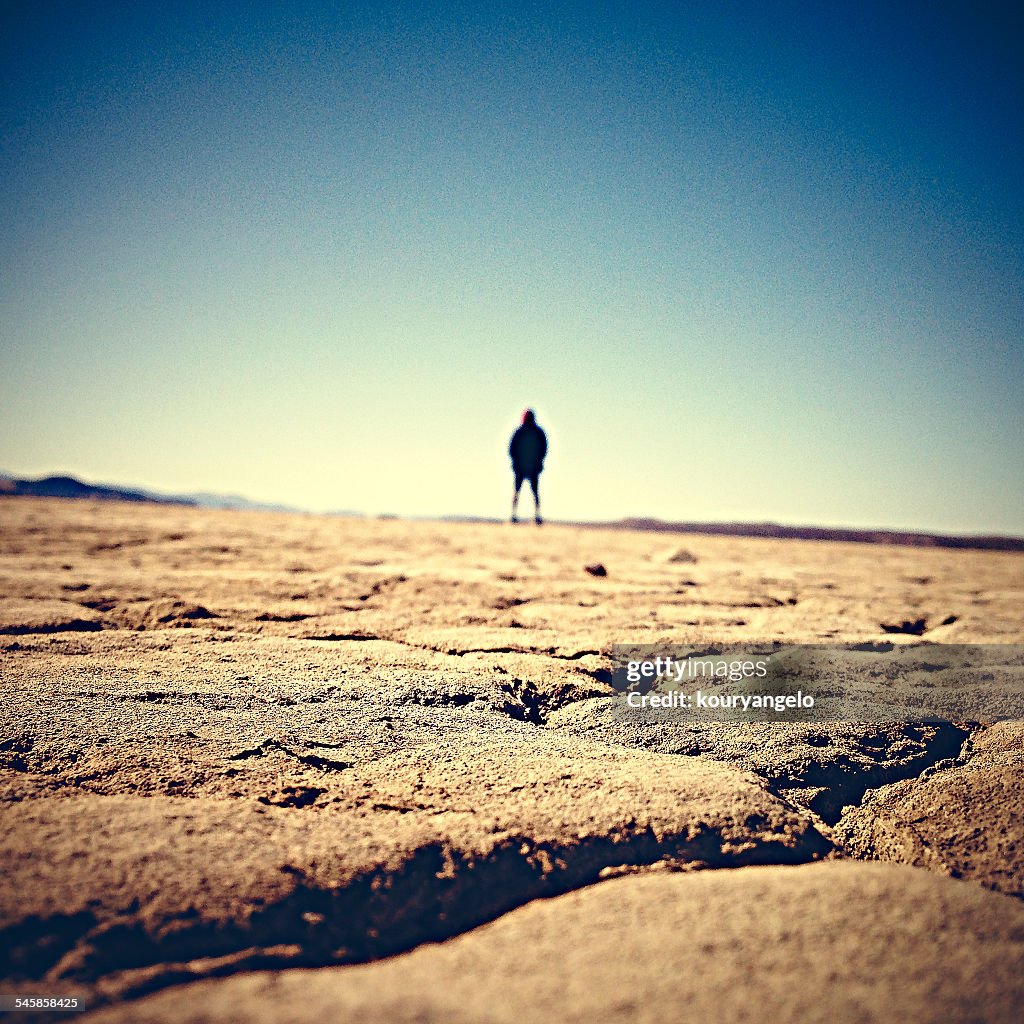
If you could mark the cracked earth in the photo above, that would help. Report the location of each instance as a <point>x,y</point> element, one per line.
<point>281,767</point>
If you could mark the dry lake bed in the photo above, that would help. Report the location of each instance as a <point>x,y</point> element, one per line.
<point>273,767</point>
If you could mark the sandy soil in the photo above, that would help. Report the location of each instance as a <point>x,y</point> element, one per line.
<point>281,767</point>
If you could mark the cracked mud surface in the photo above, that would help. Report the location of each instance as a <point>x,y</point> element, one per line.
<point>717,947</point>
<point>283,753</point>
<point>965,819</point>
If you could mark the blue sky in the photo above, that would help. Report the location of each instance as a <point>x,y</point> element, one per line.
<point>746,262</point>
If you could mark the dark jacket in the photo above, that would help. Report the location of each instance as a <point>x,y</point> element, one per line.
<point>528,447</point>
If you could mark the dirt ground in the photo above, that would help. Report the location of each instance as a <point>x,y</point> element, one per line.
<point>276,767</point>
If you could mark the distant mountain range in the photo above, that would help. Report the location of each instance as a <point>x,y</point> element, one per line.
<point>775,530</point>
<point>70,487</point>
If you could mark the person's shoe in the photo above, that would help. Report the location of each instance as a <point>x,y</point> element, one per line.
<point>538,520</point>
<point>515,519</point>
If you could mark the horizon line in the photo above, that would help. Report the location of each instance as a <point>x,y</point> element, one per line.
<point>76,489</point>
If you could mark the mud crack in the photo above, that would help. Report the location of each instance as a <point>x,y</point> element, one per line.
<point>826,788</point>
<point>436,892</point>
<point>313,760</point>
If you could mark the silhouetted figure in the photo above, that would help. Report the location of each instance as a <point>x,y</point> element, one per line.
<point>528,447</point>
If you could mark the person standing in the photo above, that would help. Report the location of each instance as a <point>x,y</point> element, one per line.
<point>528,447</point>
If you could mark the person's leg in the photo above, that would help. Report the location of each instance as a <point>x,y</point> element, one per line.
<point>535,487</point>
<point>515,497</point>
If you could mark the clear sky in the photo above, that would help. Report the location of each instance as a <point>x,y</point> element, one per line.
<point>746,261</point>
